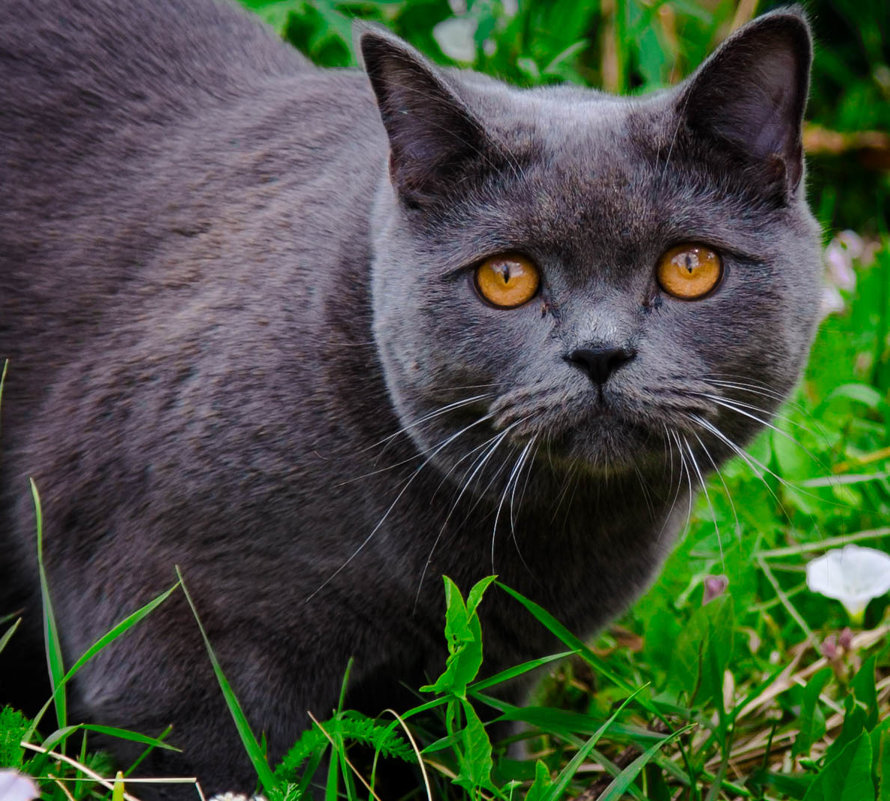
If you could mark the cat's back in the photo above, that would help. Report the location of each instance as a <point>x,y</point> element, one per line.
<point>90,85</point>
<point>141,142</point>
<point>79,62</point>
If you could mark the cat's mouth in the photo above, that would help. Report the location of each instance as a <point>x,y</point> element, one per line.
<point>602,430</point>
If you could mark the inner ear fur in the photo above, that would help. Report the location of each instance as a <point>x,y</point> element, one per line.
<point>433,135</point>
<point>751,95</point>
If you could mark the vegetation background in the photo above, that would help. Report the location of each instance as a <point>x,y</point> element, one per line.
<point>768,691</point>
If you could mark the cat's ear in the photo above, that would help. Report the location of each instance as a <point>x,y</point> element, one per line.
<point>751,93</point>
<point>434,138</point>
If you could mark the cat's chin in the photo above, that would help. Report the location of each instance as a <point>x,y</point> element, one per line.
<point>607,446</point>
<point>602,438</point>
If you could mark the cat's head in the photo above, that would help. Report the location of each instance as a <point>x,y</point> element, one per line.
<point>610,278</point>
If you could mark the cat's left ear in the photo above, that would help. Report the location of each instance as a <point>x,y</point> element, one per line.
<point>751,93</point>
<point>434,137</point>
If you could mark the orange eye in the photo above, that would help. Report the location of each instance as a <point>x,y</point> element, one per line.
<point>507,281</point>
<point>689,272</point>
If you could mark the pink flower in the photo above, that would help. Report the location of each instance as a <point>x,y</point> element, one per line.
<point>714,586</point>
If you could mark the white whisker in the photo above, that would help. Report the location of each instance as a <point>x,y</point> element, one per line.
<point>749,460</point>
<point>404,489</point>
<point>479,463</point>
<point>514,475</point>
<point>704,487</point>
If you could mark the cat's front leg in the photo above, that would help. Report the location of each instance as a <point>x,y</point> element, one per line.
<point>160,675</point>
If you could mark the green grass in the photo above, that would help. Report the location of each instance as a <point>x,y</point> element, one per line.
<point>762,693</point>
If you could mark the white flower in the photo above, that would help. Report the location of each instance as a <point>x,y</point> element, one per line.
<point>839,260</point>
<point>456,37</point>
<point>832,300</point>
<point>852,575</point>
<point>226,797</point>
<point>15,787</point>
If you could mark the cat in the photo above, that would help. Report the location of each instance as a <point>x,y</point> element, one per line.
<point>319,337</point>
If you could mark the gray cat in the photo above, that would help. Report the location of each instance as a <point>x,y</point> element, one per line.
<point>322,336</point>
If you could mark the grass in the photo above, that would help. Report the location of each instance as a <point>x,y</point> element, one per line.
<point>768,692</point>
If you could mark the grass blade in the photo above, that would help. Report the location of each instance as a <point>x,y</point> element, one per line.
<point>60,735</point>
<point>519,670</point>
<point>251,744</point>
<point>121,628</point>
<point>51,632</point>
<point>567,638</point>
<point>618,787</point>
<point>7,635</point>
<point>565,775</point>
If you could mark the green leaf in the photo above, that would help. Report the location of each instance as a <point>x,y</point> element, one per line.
<point>542,783</point>
<point>864,690</point>
<point>310,742</point>
<point>811,719</point>
<point>463,633</point>
<point>862,393</point>
<point>880,743</point>
<point>853,727</point>
<point>478,590</point>
<point>847,777</point>
<point>703,652</point>
<point>474,758</point>
<point>13,726</point>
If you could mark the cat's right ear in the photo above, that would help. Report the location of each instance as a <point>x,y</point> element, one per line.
<point>434,138</point>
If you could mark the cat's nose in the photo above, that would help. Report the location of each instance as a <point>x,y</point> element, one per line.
<point>600,363</point>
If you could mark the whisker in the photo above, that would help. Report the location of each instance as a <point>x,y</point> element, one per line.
<point>429,416</point>
<point>528,474</point>
<point>738,527</point>
<point>750,461</point>
<point>668,440</point>
<point>764,390</point>
<point>685,468</point>
<point>704,487</point>
<point>386,514</point>
<point>404,429</point>
<point>643,488</point>
<point>527,459</point>
<point>479,463</point>
<point>730,403</point>
<point>563,491</point>
<point>514,475</point>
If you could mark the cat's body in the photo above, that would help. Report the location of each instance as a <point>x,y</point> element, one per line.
<point>219,307</point>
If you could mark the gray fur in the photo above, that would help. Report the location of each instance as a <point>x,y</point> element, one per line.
<point>221,299</point>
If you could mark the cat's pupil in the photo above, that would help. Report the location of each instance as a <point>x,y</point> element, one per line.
<point>505,274</point>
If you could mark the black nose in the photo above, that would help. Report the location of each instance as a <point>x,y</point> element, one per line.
<point>600,363</point>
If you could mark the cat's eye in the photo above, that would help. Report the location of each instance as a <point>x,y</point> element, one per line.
<point>689,272</point>
<point>507,281</point>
